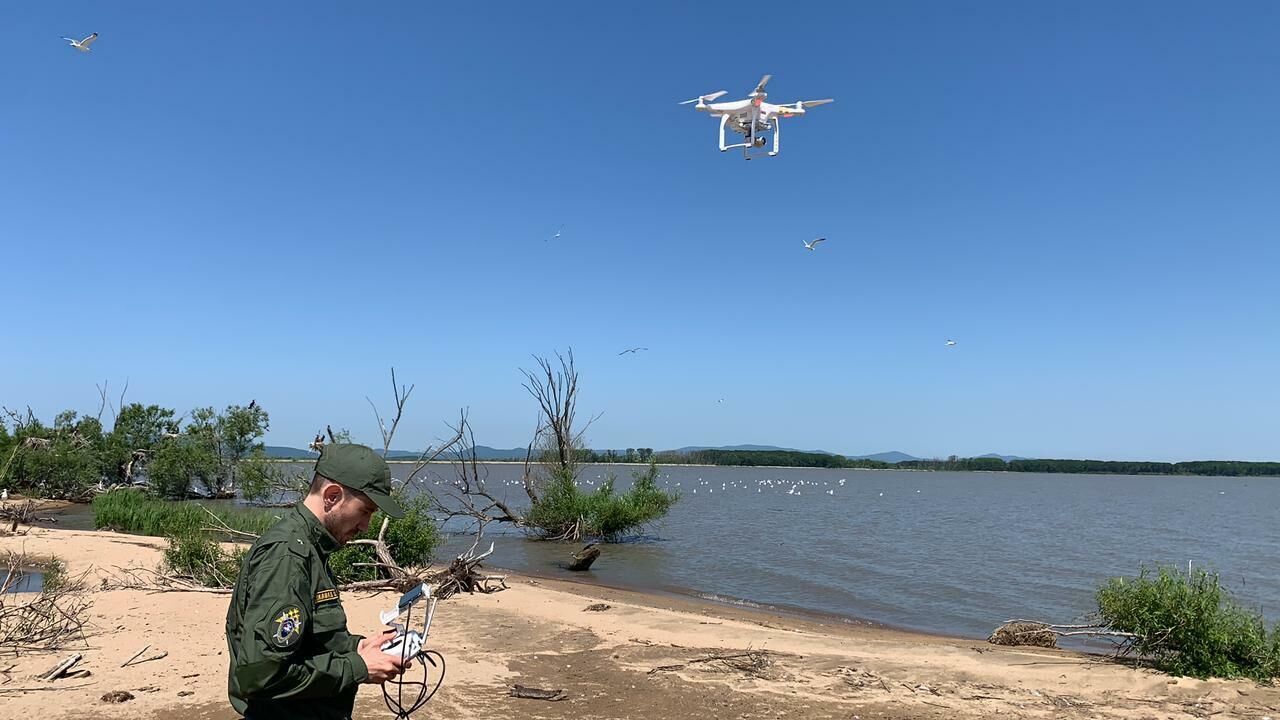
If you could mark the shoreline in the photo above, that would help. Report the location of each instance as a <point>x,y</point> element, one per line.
<point>647,654</point>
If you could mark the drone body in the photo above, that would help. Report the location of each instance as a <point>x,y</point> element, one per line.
<point>752,117</point>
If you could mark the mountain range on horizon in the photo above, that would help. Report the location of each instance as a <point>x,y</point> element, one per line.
<point>484,452</point>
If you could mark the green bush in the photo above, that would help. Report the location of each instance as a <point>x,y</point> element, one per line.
<point>203,560</point>
<point>132,511</point>
<point>1187,624</point>
<point>411,539</point>
<point>565,511</point>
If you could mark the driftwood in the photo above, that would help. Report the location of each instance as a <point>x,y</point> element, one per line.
<point>597,607</point>
<point>1024,633</point>
<point>583,558</point>
<point>1042,634</point>
<point>25,513</point>
<point>60,669</point>
<point>520,691</point>
<point>463,575</point>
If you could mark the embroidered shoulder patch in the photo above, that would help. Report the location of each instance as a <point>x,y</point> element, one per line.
<point>288,627</point>
<point>326,596</point>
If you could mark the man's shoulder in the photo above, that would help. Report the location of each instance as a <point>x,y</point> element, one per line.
<point>285,535</point>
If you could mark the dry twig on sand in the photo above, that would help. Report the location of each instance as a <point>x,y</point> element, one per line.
<point>755,663</point>
<point>153,581</point>
<point>46,621</point>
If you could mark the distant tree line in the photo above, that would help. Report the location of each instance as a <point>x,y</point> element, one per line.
<point>787,458</point>
<point>1228,468</point>
<point>764,458</point>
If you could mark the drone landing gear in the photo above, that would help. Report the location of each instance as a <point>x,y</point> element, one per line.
<point>777,137</point>
<point>753,141</point>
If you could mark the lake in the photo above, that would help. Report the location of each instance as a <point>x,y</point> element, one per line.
<point>947,552</point>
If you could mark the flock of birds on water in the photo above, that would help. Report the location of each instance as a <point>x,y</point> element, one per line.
<point>792,487</point>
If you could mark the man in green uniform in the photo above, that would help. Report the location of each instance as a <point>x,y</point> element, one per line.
<point>291,654</point>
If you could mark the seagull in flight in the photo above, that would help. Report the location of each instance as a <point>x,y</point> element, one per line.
<point>951,343</point>
<point>812,244</point>
<point>557,235</point>
<point>632,350</point>
<point>82,45</point>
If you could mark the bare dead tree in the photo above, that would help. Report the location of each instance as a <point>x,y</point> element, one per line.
<point>401,395</point>
<point>551,454</point>
<point>557,393</point>
<point>469,494</point>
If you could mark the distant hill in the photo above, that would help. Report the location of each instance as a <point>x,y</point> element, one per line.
<point>889,457</point>
<point>893,456</point>
<point>1006,458</point>
<point>281,452</point>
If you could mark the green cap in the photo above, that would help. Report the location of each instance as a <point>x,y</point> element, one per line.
<point>358,467</point>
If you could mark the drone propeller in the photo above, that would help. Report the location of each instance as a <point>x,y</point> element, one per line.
<point>814,103</point>
<point>760,88</point>
<point>705,98</point>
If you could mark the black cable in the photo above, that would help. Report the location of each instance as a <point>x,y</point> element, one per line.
<point>397,707</point>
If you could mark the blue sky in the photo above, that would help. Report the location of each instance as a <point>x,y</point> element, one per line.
<point>280,201</point>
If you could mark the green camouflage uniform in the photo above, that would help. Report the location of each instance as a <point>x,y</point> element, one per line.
<point>291,655</point>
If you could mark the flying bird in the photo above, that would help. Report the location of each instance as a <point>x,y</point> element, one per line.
<point>632,350</point>
<point>812,244</point>
<point>951,343</point>
<point>557,235</point>
<point>82,45</point>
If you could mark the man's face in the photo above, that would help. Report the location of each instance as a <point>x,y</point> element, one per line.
<point>348,512</point>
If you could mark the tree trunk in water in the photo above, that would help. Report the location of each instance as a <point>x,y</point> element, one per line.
<point>583,558</point>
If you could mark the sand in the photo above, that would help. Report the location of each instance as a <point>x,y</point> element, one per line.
<point>537,633</point>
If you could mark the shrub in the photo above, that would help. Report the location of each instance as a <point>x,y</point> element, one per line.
<point>565,511</point>
<point>1187,624</point>
<point>203,560</point>
<point>411,539</point>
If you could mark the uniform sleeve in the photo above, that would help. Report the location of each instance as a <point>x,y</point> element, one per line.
<point>277,617</point>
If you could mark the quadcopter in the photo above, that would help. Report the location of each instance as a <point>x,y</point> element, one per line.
<point>752,116</point>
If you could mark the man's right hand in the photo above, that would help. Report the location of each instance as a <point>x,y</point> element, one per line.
<point>382,667</point>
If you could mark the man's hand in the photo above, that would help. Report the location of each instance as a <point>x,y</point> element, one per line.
<point>382,667</point>
<point>377,641</point>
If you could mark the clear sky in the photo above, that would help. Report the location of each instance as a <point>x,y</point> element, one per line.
<point>279,201</point>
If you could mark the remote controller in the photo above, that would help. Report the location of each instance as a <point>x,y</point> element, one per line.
<point>407,645</point>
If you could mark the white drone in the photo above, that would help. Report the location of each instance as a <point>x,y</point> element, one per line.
<point>752,116</point>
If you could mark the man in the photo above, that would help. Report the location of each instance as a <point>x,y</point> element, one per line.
<point>291,654</point>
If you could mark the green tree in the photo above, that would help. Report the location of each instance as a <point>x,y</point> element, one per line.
<point>138,429</point>
<point>179,462</point>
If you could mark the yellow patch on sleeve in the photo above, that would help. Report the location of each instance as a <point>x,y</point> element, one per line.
<point>326,596</point>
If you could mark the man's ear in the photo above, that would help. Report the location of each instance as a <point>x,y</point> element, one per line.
<point>332,494</point>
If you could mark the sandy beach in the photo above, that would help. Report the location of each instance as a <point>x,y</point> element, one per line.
<point>537,633</point>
